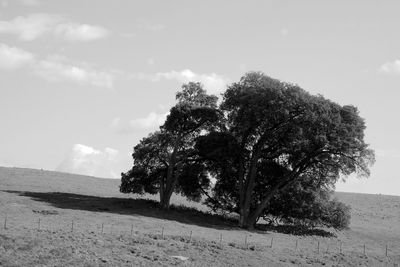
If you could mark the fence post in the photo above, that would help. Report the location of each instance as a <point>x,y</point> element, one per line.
<point>386,252</point>
<point>318,247</point>
<point>5,222</point>
<point>296,243</point>
<point>102,226</point>
<point>272,242</point>
<point>364,249</point>
<point>220,241</point>
<point>72,226</point>
<point>245,241</point>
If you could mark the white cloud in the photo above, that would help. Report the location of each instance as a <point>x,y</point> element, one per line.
<point>212,82</point>
<point>87,160</point>
<point>30,27</point>
<point>80,32</point>
<point>33,26</point>
<point>12,58</point>
<point>150,122</point>
<point>391,67</point>
<point>54,68</point>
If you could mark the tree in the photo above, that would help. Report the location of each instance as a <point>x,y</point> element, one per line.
<point>277,134</point>
<point>165,161</point>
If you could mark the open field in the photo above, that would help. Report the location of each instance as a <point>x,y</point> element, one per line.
<point>58,219</point>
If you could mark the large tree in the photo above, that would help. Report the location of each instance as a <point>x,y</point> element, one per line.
<point>277,134</point>
<point>165,161</point>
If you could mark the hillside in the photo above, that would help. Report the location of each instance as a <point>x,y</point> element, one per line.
<point>59,219</point>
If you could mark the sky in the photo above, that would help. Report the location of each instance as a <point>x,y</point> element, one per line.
<point>81,82</point>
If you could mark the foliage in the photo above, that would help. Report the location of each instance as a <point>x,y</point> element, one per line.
<point>165,161</point>
<point>271,147</point>
<point>307,205</point>
<point>275,135</point>
<point>337,215</point>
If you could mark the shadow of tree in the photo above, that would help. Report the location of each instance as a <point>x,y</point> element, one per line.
<point>295,230</point>
<point>129,206</point>
<point>150,208</point>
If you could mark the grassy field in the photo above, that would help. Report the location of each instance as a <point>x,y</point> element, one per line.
<point>59,219</point>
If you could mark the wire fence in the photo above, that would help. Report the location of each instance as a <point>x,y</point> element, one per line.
<point>390,251</point>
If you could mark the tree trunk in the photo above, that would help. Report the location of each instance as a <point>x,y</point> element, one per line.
<point>164,200</point>
<point>242,218</point>
<point>164,196</point>
<point>247,192</point>
<point>167,187</point>
<point>164,203</point>
<point>162,191</point>
<point>242,193</point>
<point>249,219</point>
<point>254,215</point>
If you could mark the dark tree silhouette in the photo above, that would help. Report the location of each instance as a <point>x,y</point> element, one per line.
<point>275,134</point>
<point>165,161</point>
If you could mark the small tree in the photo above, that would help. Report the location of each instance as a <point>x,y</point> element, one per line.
<point>165,161</point>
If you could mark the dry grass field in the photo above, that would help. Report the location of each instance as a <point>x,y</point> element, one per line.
<point>58,219</point>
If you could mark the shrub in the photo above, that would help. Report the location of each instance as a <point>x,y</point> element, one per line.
<point>307,205</point>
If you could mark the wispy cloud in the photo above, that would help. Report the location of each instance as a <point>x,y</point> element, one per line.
<point>54,68</point>
<point>12,58</point>
<point>212,82</point>
<point>30,27</point>
<point>86,160</point>
<point>392,67</point>
<point>150,122</point>
<point>80,32</point>
<point>33,26</point>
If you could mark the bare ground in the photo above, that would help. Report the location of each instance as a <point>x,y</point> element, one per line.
<point>58,219</point>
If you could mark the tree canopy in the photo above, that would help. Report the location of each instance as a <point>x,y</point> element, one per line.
<point>266,140</point>
<point>275,135</point>
<point>164,161</point>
